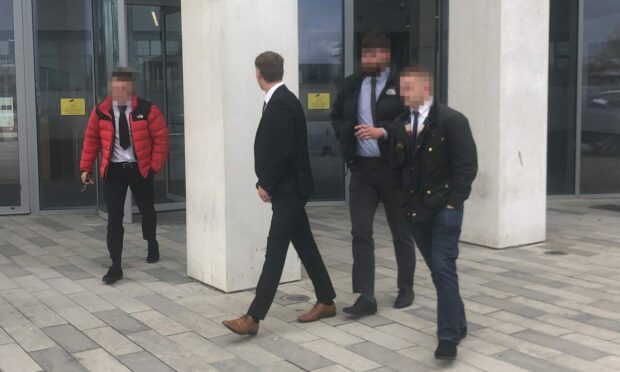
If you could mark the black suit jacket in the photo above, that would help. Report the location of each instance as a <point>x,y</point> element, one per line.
<point>281,159</point>
<point>344,113</point>
<point>439,168</point>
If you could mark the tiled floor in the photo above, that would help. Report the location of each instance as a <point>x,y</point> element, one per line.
<point>527,309</point>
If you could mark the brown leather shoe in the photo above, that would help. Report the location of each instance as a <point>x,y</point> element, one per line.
<point>318,311</point>
<point>242,326</point>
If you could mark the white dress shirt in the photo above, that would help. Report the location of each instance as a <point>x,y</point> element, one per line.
<point>424,111</point>
<point>119,154</point>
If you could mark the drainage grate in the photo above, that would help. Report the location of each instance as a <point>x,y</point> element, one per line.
<point>556,253</point>
<point>608,207</point>
<point>294,299</point>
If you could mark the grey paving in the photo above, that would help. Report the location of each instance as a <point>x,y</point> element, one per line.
<point>122,322</point>
<point>527,310</point>
<point>56,359</point>
<point>70,338</point>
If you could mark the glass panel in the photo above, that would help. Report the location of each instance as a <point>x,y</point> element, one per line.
<point>64,71</point>
<point>9,146</point>
<point>106,45</point>
<point>155,54</point>
<point>174,105</point>
<point>410,25</point>
<point>600,145</point>
<point>563,30</point>
<point>321,70</point>
<point>106,60</point>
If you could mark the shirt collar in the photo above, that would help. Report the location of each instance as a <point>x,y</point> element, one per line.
<point>271,91</point>
<point>385,74</point>
<point>381,77</point>
<point>425,108</point>
<point>115,104</point>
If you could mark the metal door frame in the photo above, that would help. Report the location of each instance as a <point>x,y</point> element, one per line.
<point>21,101</point>
<point>166,10</point>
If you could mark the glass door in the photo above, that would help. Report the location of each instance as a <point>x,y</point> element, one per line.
<point>173,107</point>
<point>13,152</point>
<point>155,53</point>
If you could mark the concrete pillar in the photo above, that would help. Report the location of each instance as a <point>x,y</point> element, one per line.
<point>498,53</point>
<point>227,224</point>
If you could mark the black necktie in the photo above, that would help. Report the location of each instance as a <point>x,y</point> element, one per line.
<point>414,134</point>
<point>264,105</point>
<point>373,99</point>
<point>123,127</point>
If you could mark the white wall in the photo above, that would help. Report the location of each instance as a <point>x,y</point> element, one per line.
<point>227,224</point>
<point>498,53</point>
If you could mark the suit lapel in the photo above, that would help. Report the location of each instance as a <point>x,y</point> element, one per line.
<point>388,85</point>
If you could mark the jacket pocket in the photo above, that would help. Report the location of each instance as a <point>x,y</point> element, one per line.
<point>436,197</point>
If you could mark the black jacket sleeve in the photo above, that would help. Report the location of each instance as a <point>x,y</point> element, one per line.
<point>463,159</point>
<point>336,114</point>
<point>281,134</point>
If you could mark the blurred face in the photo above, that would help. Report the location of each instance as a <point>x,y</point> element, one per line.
<point>415,89</point>
<point>121,90</point>
<point>375,60</point>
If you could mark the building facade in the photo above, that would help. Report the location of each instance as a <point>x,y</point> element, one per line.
<point>538,80</point>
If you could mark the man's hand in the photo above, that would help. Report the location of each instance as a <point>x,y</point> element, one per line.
<point>264,195</point>
<point>367,132</point>
<point>87,179</point>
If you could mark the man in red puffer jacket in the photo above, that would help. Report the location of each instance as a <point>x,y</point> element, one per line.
<point>133,137</point>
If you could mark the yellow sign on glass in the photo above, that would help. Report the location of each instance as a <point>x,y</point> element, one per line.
<point>318,101</point>
<point>72,106</point>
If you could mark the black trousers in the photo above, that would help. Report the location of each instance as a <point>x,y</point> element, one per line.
<point>372,183</point>
<point>289,224</point>
<point>119,177</point>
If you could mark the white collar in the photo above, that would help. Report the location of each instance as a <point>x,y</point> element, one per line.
<point>115,104</point>
<point>425,108</point>
<point>271,91</point>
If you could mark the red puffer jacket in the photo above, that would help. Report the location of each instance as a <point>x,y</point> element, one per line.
<point>149,135</point>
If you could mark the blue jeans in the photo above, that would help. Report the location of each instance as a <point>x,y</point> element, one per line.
<point>438,242</point>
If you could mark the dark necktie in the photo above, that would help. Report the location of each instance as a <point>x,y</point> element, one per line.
<point>123,128</point>
<point>373,99</point>
<point>264,105</point>
<point>414,133</point>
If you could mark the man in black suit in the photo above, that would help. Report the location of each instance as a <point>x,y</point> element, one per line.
<point>367,103</point>
<point>434,157</point>
<point>282,166</point>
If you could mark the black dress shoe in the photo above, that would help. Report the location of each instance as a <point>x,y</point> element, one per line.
<point>404,299</point>
<point>446,350</point>
<point>114,274</point>
<point>463,332</point>
<point>363,306</point>
<point>153,255</point>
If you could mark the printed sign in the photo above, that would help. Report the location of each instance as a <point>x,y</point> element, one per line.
<point>7,112</point>
<point>72,106</point>
<point>318,101</point>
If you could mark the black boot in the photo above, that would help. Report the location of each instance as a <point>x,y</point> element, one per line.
<point>463,331</point>
<point>365,305</point>
<point>404,299</point>
<point>446,350</point>
<point>115,273</point>
<point>153,255</point>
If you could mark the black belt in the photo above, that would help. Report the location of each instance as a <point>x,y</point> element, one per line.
<point>368,160</point>
<point>125,164</point>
